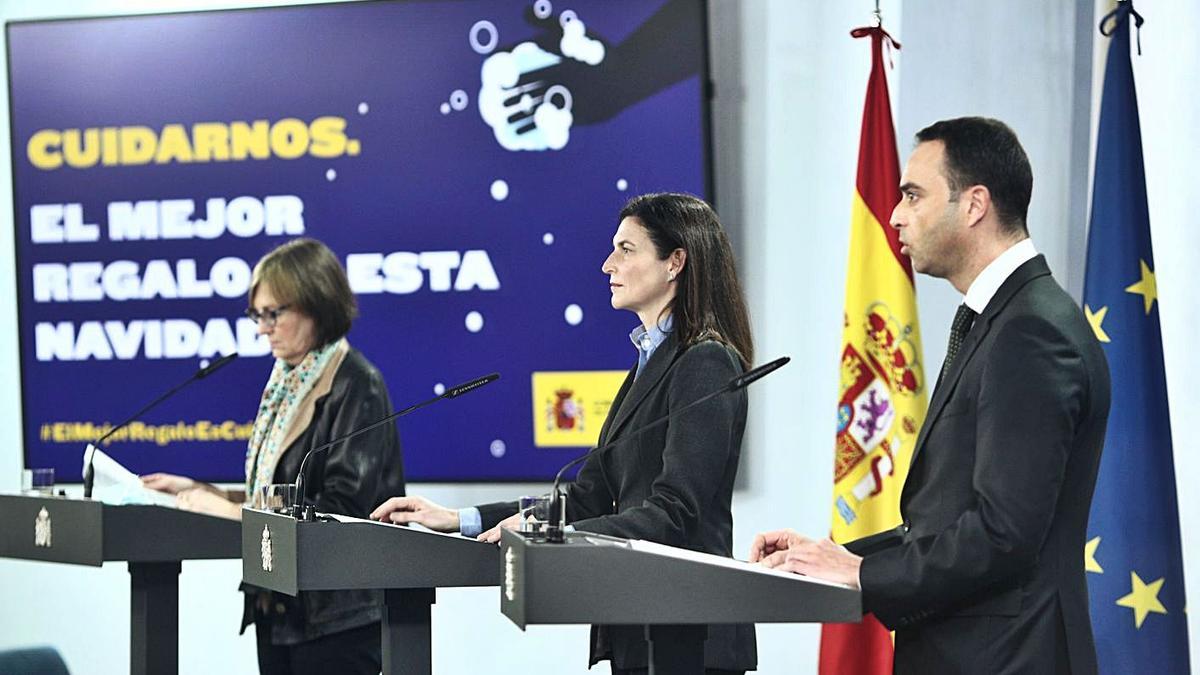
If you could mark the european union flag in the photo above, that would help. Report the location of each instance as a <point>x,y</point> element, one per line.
<point>1132,556</point>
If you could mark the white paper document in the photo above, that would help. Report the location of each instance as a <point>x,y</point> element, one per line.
<point>710,559</point>
<point>415,527</point>
<point>114,484</point>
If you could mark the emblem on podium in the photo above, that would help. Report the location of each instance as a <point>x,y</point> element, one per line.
<point>268,556</point>
<point>510,575</point>
<point>41,529</point>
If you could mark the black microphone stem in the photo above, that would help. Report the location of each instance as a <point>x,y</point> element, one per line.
<point>145,408</point>
<point>298,510</point>
<point>373,425</point>
<point>554,532</point>
<point>88,475</point>
<point>655,423</point>
<point>198,375</point>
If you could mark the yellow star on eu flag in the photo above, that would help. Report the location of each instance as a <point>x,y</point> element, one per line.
<point>1143,599</point>
<point>1147,287</point>
<point>1096,319</point>
<point>1089,556</point>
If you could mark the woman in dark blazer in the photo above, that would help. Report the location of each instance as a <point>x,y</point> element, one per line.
<point>672,265</point>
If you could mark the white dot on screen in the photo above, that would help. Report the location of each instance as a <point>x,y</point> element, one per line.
<point>573,314</point>
<point>439,389</point>
<point>622,184</point>
<point>330,175</point>
<point>498,448</point>
<point>548,238</point>
<point>445,108</point>
<point>203,363</point>
<point>499,190</point>
<point>363,108</point>
<point>474,322</point>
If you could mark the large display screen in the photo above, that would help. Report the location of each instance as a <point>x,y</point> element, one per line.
<point>465,159</point>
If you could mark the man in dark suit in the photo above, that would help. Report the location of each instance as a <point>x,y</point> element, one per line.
<point>985,574</point>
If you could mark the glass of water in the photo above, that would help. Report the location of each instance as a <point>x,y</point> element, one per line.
<point>37,482</point>
<point>276,497</point>
<point>535,513</point>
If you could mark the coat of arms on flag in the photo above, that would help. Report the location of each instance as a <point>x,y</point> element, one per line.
<point>876,371</point>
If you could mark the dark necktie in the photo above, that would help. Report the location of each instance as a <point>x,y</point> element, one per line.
<point>963,318</point>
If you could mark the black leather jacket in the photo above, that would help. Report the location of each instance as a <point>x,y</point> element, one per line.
<point>351,478</point>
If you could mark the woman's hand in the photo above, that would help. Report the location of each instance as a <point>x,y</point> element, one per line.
<point>492,536</point>
<point>168,483</point>
<point>205,501</point>
<point>418,510</point>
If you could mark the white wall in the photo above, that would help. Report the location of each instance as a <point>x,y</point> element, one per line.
<point>803,79</point>
<point>789,86</point>
<point>1016,63</point>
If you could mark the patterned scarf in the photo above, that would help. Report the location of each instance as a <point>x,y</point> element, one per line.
<point>286,389</point>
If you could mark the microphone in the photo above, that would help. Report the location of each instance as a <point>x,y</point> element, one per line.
<point>215,365</point>
<point>455,392</point>
<point>89,474</point>
<point>554,528</point>
<point>298,510</point>
<point>754,374</point>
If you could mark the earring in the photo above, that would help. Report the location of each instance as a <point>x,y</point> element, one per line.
<point>670,276</point>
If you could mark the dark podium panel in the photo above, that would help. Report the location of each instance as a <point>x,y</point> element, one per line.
<point>152,539</point>
<point>597,579</point>
<point>283,554</point>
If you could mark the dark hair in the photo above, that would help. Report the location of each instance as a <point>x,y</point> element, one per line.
<point>708,303</point>
<point>305,274</point>
<point>983,151</point>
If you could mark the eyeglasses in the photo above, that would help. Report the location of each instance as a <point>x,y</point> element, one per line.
<point>267,317</point>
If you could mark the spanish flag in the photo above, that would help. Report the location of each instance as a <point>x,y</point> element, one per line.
<point>882,396</point>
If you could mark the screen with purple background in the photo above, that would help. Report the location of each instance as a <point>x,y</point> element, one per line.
<point>466,160</point>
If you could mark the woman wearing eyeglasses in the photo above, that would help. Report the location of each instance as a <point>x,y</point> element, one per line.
<point>319,389</point>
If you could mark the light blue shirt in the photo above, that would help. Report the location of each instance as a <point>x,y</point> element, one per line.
<point>470,522</point>
<point>647,340</point>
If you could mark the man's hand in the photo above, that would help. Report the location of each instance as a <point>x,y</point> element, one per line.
<point>789,551</point>
<point>418,510</point>
<point>767,543</point>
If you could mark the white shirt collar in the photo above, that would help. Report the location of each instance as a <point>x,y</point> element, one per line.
<point>981,291</point>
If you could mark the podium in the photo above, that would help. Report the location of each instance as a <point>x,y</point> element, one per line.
<point>280,553</point>
<point>154,540</point>
<point>673,592</point>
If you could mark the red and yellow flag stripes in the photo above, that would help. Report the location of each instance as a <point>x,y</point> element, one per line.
<point>882,396</point>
